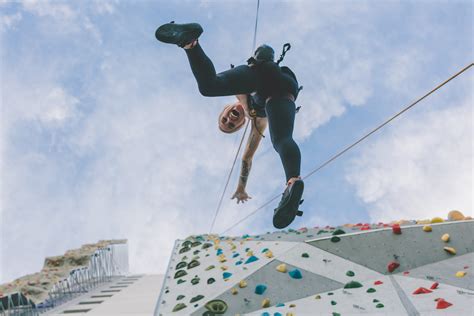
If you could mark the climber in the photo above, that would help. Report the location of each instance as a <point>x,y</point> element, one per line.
<point>276,86</point>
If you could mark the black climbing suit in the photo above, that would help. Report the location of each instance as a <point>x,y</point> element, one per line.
<point>268,80</point>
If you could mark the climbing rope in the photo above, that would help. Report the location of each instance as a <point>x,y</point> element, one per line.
<point>243,135</point>
<point>327,162</point>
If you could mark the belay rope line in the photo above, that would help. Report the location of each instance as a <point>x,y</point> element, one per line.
<point>243,135</point>
<point>327,162</point>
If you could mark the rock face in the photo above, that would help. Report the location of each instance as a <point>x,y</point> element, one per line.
<point>391,269</point>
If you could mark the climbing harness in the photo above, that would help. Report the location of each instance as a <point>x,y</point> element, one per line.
<point>327,162</point>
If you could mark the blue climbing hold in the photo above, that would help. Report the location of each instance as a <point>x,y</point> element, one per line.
<point>259,289</point>
<point>279,305</point>
<point>265,314</point>
<point>277,314</point>
<point>226,275</point>
<point>295,274</point>
<point>235,255</point>
<point>238,263</point>
<point>251,259</point>
<point>264,250</point>
<point>219,252</point>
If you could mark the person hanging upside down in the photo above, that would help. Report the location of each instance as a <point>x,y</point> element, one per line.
<point>274,86</point>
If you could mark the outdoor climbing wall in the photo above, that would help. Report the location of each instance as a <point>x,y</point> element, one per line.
<point>401,268</point>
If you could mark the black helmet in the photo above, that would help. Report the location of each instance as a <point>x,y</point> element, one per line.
<point>264,53</point>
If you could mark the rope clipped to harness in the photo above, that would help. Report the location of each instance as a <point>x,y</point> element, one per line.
<point>286,48</point>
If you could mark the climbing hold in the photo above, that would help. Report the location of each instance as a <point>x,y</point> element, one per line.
<point>437,220</point>
<point>317,297</point>
<point>434,286</point>
<point>193,264</point>
<point>242,284</point>
<point>265,314</point>
<point>210,268</point>
<point>455,216</point>
<point>427,228</point>
<point>195,280</point>
<point>379,305</point>
<point>234,291</point>
<point>180,273</point>
<point>180,297</point>
<point>338,232</point>
<point>460,274</point>
<point>305,255</point>
<point>330,293</point>
<point>335,239</point>
<point>281,268</point>
<point>224,268</point>
<point>442,304</point>
<point>352,285</point>
<point>259,289</point>
<point>219,252</point>
<point>222,258</point>
<point>196,298</point>
<point>406,272</point>
<point>277,314</point>
<point>211,280</point>
<point>269,254</point>
<point>392,266</point>
<point>423,221</point>
<point>422,290</point>
<point>292,305</point>
<point>350,273</point>
<point>249,253</point>
<point>371,290</point>
<point>378,282</point>
<point>396,229</point>
<point>279,305</point>
<point>445,237</point>
<point>295,274</point>
<point>335,314</point>
<point>181,265</point>
<point>226,275</point>
<point>180,281</point>
<point>375,300</point>
<point>251,259</point>
<point>235,255</point>
<point>179,307</point>
<point>206,245</point>
<point>266,303</point>
<point>264,250</point>
<point>450,250</point>
<point>216,306</point>
<point>195,244</point>
<point>196,252</point>
<point>238,263</point>
<point>333,303</point>
<point>183,250</point>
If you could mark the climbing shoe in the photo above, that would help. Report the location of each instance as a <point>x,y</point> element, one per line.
<point>179,34</point>
<point>287,209</point>
<point>262,54</point>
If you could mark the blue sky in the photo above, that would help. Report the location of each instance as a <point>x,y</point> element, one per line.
<point>105,135</point>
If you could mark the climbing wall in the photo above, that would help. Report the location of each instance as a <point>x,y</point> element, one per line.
<point>401,268</point>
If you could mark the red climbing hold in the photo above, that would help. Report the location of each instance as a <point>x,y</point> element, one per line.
<point>434,286</point>
<point>396,229</point>
<point>406,272</point>
<point>365,227</point>
<point>378,282</point>
<point>392,266</point>
<point>442,304</point>
<point>422,290</point>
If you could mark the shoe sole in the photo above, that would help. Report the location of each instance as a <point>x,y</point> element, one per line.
<point>285,215</point>
<point>179,34</point>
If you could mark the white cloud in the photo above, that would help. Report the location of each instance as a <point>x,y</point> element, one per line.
<point>419,168</point>
<point>9,21</point>
<point>54,9</point>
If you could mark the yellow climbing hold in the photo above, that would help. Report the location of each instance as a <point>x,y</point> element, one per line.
<point>233,247</point>
<point>427,228</point>
<point>250,253</point>
<point>242,284</point>
<point>445,237</point>
<point>234,291</point>
<point>292,305</point>
<point>269,254</point>
<point>460,274</point>
<point>222,258</point>
<point>317,297</point>
<point>437,220</point>
<point>450,250</point>
<point>223,268</point>
<point>423,221</point>
<point>266,303</point>
<point>289,314</point>
<point>455,216</point>
<point>281,268</point>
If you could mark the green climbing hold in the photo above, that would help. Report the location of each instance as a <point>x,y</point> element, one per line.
<point>187,243</point>
<point>338,232</point>
<point>371,290</point>
<point>211,280</point>
<point>352,285</point>
<point>206,245</point>
<point>335,239</point>
<point>195,280</point>
<point>193,264</point>
<point>379,305</point>
<point>210,267</point>
<point>179,307</point>
<point>180,297</point>
<point>336,314</point>
<point>216,306</point>
<point>196,251</point>
<point>180,273</point>
<point>184,249</point>
<point>196,298</point>
<point>180,281</point>
<point>195,244</point>
<point>305,255</point>
<point>350,273</point>
<point>333,303</point>
<point>181,265</point>
<point>330,293</point>
<point>375,300</point>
